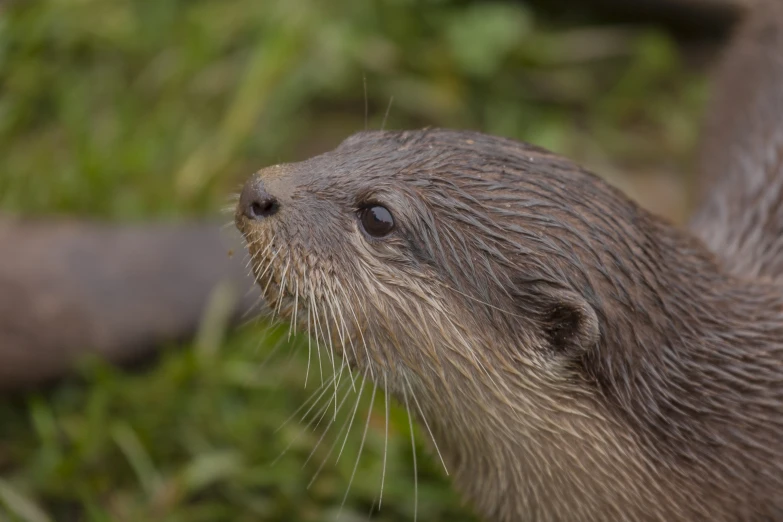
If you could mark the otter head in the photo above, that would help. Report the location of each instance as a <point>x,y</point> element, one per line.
<point>539,316</point>
<point>430,257</point>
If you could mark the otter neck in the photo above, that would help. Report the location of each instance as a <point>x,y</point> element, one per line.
<point>657,389</point>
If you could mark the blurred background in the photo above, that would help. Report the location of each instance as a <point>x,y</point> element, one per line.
<point>139,110</point>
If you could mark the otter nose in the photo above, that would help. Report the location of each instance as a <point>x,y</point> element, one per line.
<point>256,203</point>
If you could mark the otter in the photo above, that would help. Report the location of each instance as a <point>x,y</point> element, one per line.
<point>573,356</point>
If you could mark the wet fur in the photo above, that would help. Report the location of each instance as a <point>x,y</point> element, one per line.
<point>576,357</point>
<point>741,162</point>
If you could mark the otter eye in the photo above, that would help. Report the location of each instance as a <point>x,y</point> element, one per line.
<point>376,220</point>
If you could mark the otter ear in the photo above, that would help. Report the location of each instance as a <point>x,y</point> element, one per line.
<point>569,323</point>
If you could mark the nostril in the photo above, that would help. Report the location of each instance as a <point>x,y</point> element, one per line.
<point>256,203</point>
<point>263,208</point>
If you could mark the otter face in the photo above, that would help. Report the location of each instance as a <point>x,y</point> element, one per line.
<point>416,255</point>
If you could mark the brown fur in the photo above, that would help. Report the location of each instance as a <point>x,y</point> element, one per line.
<point>576,357</point>
<point>741,162</point>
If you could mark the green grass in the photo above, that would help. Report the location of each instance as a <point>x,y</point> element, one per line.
<point>158,109</point>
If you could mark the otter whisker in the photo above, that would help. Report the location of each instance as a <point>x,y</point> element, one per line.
<point>270,246</point>
<point>329,335</point>
<point>343,366</point>
<point>282,288</point>
<point>426,424</point>
<point>261,254</point>
<point>231,199</point>
<point>271,354</point>
<point>251,260</point>
<point>331,301</point>
<point>413,450</point>
<point>330,352</point>
<point>250,315</point>
<point>353,415</point>
<point>479,301</point>
<point>386,116</point>
<point>269,265</point>
<point>253,313</point>
<point>318,415</point>
<point>361,447</point>
<point>339,407</point>
<point>309,348</point>
<point>386,437</point>
<point>346,425</point>
<point>370,511</point>
<point>328,308</point>
<point>318,327</point>
<point>341,331</point>
<point>313,397</point>
<point>321,411</point>
<point>326,430</point>
<point>469,349</point>
<point>361,335</point>
<point>296,308</point>
<point>230,223</point>
<point>246,316</point>
<point>366,103</point>
<point>313,308</point>
<point>323,334</point>
<point>345,299</point>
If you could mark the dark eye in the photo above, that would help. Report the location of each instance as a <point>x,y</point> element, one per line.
<point>376,220</point>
